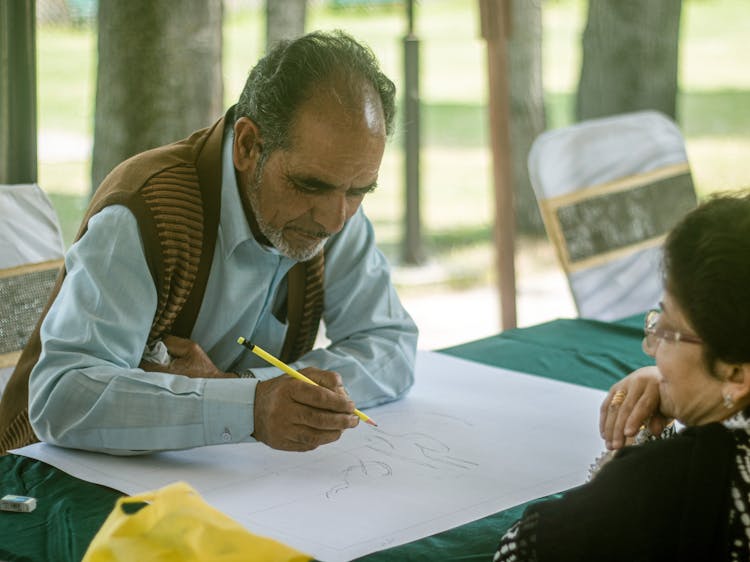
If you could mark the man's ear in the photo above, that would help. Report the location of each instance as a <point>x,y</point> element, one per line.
<point>247,146</point>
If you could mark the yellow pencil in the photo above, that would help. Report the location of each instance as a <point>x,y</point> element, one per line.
<point>263,354</point>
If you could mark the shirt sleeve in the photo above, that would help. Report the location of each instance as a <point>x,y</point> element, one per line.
<point>87,391</point>
<point>373,338</point>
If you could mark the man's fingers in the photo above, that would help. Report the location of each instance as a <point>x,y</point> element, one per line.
<point>327,421</point>
<point>323,420</point>
<point>297,416</point>
<point>327,379</point>
<point>317,416</point>
<point>178,347</point>
<point>304,440</point>
<point>321,398</point>
<point>149,366</point>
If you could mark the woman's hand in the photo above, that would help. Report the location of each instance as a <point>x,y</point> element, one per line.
<point>620,419</point>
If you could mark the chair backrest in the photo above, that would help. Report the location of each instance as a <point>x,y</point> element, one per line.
<point>29,228</point>
<point>31,251</point>
<point>24,291</point>
<point>609,191</point>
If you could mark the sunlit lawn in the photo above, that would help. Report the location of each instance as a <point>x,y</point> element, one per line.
<point>714,107</point>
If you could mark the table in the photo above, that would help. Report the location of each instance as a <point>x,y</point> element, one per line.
<point>586,352</point>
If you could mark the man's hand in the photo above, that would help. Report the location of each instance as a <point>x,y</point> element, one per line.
<point>188,359</point>
<point>619,421</point>
<point>292,415</point>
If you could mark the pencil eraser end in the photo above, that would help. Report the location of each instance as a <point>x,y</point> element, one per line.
<point>240,340</point>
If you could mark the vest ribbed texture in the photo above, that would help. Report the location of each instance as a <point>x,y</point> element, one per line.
<point>304,307</point>
<point>174,199</point>
<point>18,433</point>
<point>312,308</point>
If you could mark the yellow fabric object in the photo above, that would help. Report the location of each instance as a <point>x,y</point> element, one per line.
<point>178,525</point>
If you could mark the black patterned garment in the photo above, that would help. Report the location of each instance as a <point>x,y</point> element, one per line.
<point>739,514</point>
<point>521,542</point>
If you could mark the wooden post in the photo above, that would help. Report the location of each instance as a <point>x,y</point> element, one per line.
<point>495,24</point>
<point>413,251</point>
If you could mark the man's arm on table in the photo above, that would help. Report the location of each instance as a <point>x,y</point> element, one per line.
<point>373,339</point>
<point>87,391</point>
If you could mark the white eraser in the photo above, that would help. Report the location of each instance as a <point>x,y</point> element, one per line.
<point>17,503</point>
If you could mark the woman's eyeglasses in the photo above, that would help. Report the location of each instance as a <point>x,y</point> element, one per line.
<point>654,333</point>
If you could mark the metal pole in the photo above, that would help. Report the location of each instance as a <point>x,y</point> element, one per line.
<point>495,22</point>
<point>18,162</point>
<point>413,252</point>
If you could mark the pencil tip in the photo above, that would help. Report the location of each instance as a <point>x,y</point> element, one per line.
<point>371,422</point>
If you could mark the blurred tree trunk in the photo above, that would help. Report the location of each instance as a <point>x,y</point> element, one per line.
<point>159,76</point>
<point>630,51</point>
<point>285,19</point>
<point>18,162</point>
<point>527,116</point>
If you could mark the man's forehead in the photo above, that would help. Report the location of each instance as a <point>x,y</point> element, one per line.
<point>341,106</point>
<point>373,114</point>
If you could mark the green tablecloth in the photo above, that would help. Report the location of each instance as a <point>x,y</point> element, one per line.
<point>69,511</point>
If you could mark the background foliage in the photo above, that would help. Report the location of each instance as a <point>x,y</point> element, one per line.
<point>713,109</point>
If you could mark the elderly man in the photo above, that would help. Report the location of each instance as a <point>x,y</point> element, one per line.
<point>250,228</point>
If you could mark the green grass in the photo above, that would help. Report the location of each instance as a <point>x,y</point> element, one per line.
<point>69,208</point>
<point>66,60</point>
<point>713,107</point>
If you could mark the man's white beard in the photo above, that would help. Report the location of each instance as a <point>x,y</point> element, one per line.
<point>276,236</point>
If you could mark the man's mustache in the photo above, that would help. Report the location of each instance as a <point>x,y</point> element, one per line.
<point>320,234</point>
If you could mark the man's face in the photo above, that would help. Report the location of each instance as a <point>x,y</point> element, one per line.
<point>304,194</point>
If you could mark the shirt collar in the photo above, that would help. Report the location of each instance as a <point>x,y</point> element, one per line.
<point>233,224</point>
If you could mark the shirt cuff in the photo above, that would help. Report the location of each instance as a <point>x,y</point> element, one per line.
<point>228,410</point>
<point>266,373</point>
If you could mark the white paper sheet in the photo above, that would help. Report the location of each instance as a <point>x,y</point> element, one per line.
<point>469,440</point>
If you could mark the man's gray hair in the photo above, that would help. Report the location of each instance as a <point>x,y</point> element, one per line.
<point>294,70</point>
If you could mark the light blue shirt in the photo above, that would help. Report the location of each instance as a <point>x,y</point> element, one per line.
<point>87,391</point>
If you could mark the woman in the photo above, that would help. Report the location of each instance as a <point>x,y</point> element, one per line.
<point>686,497</point>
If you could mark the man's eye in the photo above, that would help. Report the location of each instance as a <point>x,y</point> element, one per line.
<point>361,192</point>
<point>302,188</point>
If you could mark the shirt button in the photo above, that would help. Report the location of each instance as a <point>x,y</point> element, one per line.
<point>226,436</point>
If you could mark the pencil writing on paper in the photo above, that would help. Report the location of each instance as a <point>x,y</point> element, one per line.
<point>263,354</point>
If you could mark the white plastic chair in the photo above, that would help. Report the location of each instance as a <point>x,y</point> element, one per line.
<point>609,191</point>
<point>31,251</point>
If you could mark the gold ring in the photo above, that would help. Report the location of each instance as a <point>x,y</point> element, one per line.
<point>618,398</point>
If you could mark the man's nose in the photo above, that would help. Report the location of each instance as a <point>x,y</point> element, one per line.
<point>332,211</point>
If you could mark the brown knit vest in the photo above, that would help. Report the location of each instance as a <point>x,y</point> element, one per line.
<point>174,193</point>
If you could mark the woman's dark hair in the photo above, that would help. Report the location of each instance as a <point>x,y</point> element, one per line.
<point>707,270</point>
<point>294,70</point>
